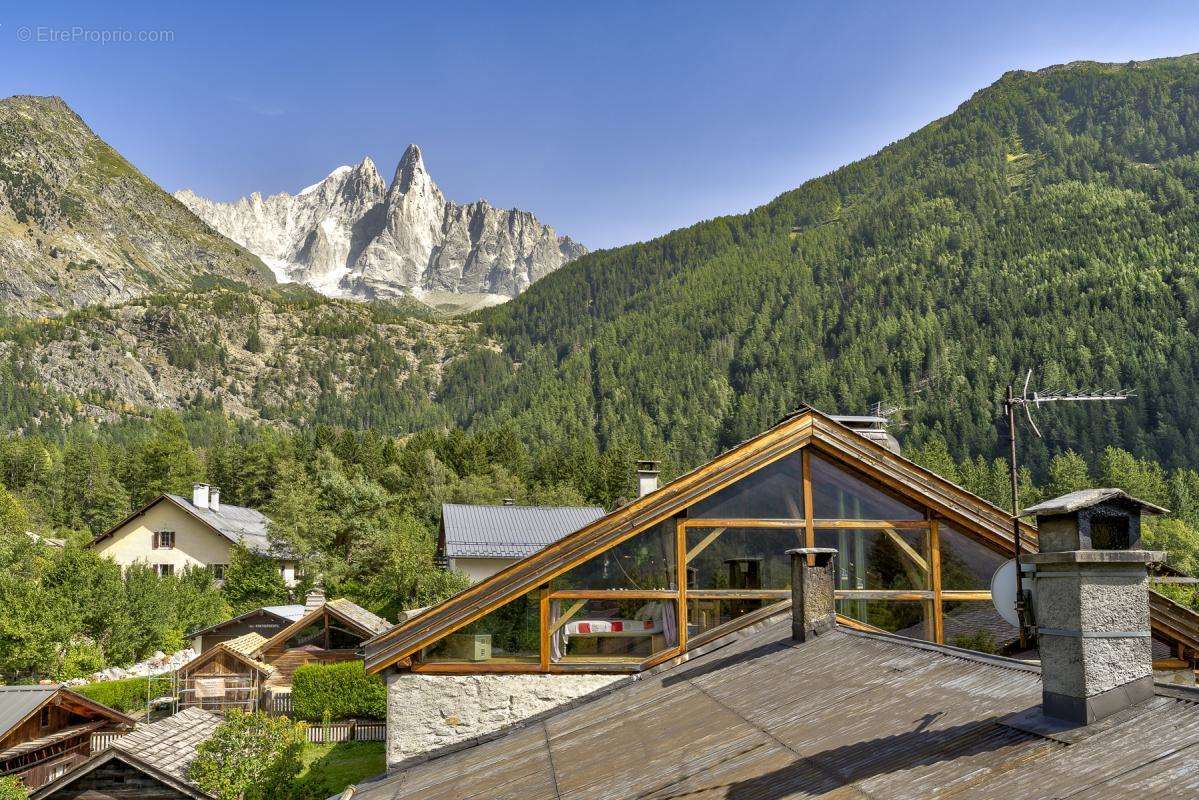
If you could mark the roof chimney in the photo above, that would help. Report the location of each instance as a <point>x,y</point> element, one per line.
<point>315,599</point>
<point>214,498</point>
<point>647,477</point>
<point>813,610</point>
<point>200,495</point>
<point>1091,604</point>
<point>509,501</point>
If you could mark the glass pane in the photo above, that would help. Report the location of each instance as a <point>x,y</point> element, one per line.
<point>836,494</point>
<point>510,634</point>
<point>773,492</point>
<point>976,625</point>
<point>706,614</point>
<point>741,558</point>
<point>645,561</point>
<point>904,617</point>
<point>966,564</point>
<point>878,559</point>
<point>611,631</point>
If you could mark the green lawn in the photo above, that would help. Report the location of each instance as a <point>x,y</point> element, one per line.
<point>330,768</point>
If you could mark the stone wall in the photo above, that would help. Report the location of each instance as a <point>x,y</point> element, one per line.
<point>427,713</point>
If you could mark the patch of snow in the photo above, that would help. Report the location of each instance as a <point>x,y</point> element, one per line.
<point>280,267</point>
<point>342,170</point>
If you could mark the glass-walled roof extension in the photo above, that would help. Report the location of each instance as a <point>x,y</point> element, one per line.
<point>740,558</point>
<point>907,561</point>
<point>773,492</point>
<point>646,561</point>
<point>838,494</point>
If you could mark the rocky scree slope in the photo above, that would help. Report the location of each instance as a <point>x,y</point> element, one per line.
<point>351,234</point>
<point>291,358</point>
<point>79,225</point>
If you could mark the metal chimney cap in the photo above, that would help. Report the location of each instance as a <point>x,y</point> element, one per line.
<point>811,551</point>
<point>649,466</point>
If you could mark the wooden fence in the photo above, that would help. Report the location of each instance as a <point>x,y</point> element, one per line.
<point>352,731</point>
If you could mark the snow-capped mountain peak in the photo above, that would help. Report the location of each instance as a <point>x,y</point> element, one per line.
<point>351,234</point>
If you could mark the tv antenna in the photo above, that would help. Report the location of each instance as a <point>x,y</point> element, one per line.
<point>1028,403</point>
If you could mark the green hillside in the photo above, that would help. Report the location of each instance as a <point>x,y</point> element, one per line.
<point>1050,222</point>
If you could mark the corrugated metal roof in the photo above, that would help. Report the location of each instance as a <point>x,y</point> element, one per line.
<point>18,702</point>
<point>846,715</point>
<point>245,526</point>
<point>509,531</point>
<point>292,612</point>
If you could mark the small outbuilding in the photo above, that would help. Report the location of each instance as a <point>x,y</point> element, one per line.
<point>46,730</point>
<point>265,621</point>
<point>149,764</point>
<point>228,675</point>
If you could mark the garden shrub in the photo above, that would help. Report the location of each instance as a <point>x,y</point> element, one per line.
<point>344,690</point>
<point>127,694</point>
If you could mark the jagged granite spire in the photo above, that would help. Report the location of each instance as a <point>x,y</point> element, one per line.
<point>350,234</point>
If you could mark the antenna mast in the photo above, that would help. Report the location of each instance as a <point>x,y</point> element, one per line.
<point>1028,403</point>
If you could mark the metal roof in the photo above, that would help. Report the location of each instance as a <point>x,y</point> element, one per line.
<point>845,715</point>
<point>285,614</point>
<point>509,531</point>
<point>1076,501</point>
<point>241,525</point>
<point>18,702</point>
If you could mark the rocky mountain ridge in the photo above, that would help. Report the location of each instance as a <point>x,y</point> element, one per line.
<point>79,225</point>
<point>353,235</point>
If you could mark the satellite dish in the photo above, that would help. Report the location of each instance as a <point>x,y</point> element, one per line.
<point>1003,592</point>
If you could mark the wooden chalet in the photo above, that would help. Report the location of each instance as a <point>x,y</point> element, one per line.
<point>227,675</point>
<point>149,764</point>
<point>327,634</point>
<point>46,730</point>
<point>265,621</point>
<point>252,671</point>
<point>704,556</point>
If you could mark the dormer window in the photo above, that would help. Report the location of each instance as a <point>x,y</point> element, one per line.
<point>164,540</point>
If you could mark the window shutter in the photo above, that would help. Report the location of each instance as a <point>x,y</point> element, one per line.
<point>154,546</point>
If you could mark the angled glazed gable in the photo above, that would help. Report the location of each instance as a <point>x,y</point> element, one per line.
<point>975,516</point>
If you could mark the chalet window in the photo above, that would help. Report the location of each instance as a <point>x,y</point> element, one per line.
<point>164,569</point>
<point>44,720</point>
<point>218,571</point>
<point>164,540</point>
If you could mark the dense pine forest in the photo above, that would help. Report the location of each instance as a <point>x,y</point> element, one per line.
<point>1049,223</point>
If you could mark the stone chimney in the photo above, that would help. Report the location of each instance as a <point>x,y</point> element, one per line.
<point>813,609</point>
<point>647,477</point>
<point>315,599</point>
<point>200,495</point>
<point>214,498</point>
<point>1090,590</point>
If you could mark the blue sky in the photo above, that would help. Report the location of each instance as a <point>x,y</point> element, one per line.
<point>612,121</point>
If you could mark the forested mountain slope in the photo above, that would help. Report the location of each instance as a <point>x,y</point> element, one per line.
<point>1050,222</point>
<point>79,225</point>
